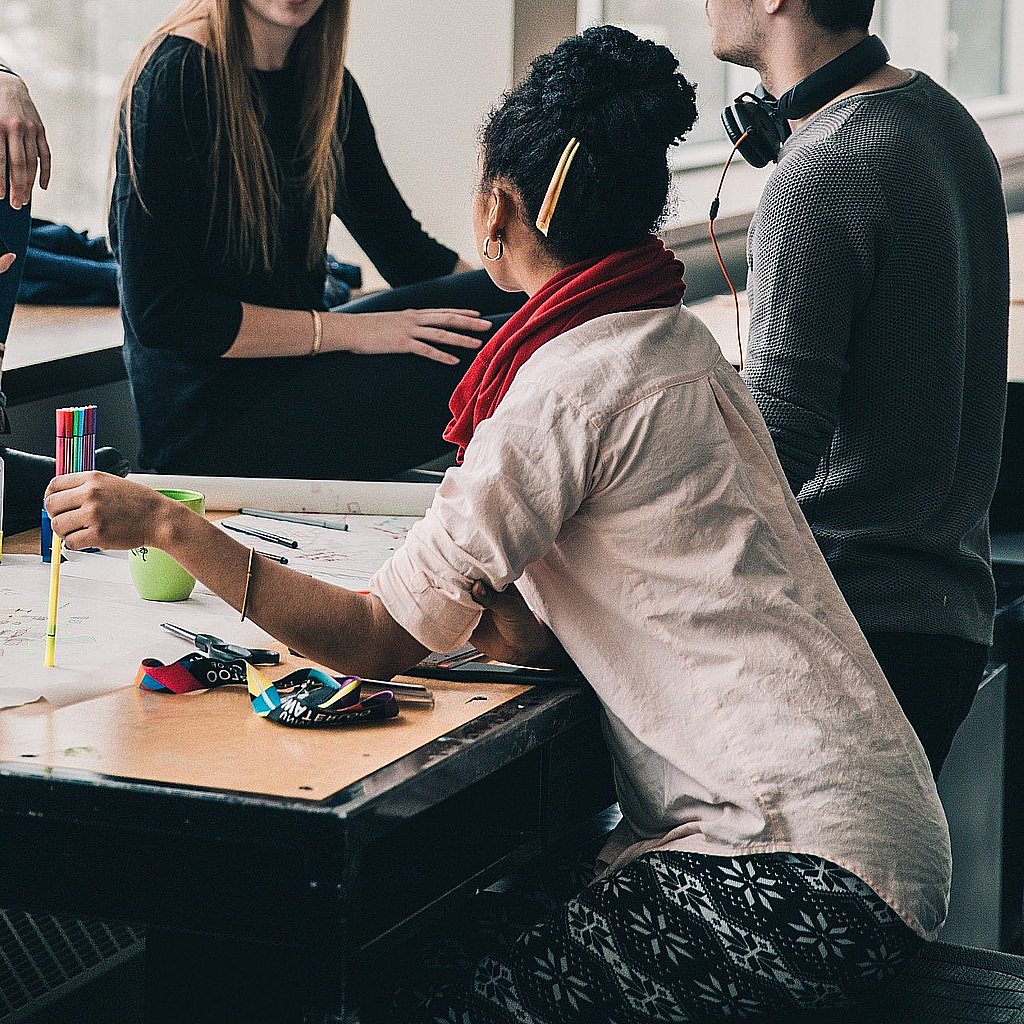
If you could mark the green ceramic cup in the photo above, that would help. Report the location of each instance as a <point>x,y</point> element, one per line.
<point>157,576</point>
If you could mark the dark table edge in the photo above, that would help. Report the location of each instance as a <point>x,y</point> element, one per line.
<point>71,794</point>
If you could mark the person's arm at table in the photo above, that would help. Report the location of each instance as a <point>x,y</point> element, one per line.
<point>157,230</point>
<point>344,630</point>
<point>498,513</point>
<point>510,631</point>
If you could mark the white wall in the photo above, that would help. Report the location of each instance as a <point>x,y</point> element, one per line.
<point>429,73</point>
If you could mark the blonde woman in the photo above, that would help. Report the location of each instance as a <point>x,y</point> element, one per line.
<point>240,135</point>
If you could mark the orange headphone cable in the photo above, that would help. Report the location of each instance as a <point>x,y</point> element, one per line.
<point>712,215</point>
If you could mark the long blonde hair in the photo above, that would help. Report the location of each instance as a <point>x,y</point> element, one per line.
<point>250,187</point>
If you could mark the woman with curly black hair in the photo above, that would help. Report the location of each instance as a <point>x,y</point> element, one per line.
<point>782,843</point>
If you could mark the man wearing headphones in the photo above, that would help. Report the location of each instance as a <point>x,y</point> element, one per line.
<point>879,291</point>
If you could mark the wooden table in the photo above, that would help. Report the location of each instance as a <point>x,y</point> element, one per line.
<point>268,863</point>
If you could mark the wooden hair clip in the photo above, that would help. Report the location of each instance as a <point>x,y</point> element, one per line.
<point>547,208</point>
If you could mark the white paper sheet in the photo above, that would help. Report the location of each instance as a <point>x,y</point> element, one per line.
<point>98,566</point>
<point>104,631</point>
<point>344,558</point>
<point>224,493</point>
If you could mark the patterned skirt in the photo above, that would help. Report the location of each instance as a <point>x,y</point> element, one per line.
<point>670,937</point>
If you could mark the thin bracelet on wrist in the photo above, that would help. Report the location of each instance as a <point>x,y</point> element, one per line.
<point>248,581</point>
<point>318,331</point>
<point>4,69</point>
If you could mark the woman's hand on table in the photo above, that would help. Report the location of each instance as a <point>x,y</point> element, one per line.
<point>98,510</point>
<point>510,631</point>
<point>412,331</point>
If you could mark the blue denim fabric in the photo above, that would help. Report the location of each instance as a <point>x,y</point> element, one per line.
<point>14,228</point>
<point>64,267</point>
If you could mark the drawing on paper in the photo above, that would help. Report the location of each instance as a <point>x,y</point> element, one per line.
<point>24,628</point>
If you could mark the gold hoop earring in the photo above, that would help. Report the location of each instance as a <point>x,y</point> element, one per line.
<point>487,250</point>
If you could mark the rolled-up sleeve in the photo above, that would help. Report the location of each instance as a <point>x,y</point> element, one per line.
<point>527,470</point>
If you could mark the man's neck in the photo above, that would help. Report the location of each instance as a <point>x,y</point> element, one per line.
<point>794,59</point>
<point>796,56</point>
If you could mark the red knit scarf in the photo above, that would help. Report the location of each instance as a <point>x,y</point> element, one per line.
<point>647,277</point>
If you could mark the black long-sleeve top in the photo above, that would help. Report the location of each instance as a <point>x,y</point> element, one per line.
<point>182,286</point>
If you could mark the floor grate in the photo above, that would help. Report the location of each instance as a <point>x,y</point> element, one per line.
<point>43,957</point>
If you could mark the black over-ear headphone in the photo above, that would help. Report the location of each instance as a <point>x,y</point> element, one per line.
<point>766,119</point>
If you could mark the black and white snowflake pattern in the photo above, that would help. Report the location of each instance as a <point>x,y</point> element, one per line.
<point>565,985</point>
<point>590,929</point>
<point>753,884</point>
<point>881,963</point>
<point>725,997</point>
<point>826,937</point>
<point>679,938</point>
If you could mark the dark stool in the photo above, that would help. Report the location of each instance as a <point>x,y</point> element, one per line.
<point>944,985</point>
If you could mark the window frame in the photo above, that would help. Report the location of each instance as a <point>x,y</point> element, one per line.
<point>920,40</point>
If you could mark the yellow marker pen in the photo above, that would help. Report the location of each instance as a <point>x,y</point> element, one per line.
<point>51,620</point>
<point>1,508</point>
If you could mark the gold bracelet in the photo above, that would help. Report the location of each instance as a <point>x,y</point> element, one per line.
<point>318,331</point>
<point>248,580</point>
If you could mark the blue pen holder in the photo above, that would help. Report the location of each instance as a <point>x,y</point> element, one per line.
<point>45,536</point>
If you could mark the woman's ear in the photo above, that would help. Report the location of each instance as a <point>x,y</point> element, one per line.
<point>501,210</point>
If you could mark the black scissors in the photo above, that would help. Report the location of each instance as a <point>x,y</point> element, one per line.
<point>217,648</point>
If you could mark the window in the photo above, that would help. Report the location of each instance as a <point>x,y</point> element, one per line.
<point>974,47</point>
<point>681,25</point>
<point>73,54</point>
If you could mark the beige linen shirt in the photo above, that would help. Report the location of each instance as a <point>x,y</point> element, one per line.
<point>628,482</point>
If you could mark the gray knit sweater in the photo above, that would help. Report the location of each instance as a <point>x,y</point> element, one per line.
<point>879,289</point>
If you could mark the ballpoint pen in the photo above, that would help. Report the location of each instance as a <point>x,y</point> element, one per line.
<point>273,558</point>
<point>294,517</point>
<point>260,535</point>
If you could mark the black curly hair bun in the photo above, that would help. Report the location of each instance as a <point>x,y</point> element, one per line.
<point>607,85</point>
<point>626,102</point>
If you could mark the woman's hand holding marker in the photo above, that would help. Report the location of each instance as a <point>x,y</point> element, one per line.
<point>98,510</point>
